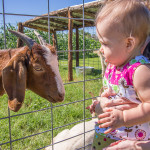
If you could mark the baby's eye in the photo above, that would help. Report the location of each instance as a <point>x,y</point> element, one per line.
<point>104,44</point>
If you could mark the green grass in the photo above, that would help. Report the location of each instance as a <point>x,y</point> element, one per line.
<point>40,121</point>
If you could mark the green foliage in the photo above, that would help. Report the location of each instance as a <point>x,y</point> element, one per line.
<point>90,42</point>
<point>11,40</point>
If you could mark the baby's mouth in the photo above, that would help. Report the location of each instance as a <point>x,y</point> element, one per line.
<point>103,56</point>
<point>106,61</point>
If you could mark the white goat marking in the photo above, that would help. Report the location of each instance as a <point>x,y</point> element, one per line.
<point>52,61</point>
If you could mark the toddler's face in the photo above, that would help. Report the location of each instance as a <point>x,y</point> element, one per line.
<point>113,44</point>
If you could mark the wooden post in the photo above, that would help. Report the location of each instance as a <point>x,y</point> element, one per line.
<point>19,41</point>
<point>77,47</point>
<point>70,23</point>
<point>54,39</point>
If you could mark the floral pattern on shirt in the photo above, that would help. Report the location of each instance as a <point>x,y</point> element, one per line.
<point>120,80</point>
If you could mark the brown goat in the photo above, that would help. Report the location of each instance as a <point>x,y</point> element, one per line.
<point>33,67</point>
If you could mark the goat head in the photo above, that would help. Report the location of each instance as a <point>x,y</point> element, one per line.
<point>33,67</point>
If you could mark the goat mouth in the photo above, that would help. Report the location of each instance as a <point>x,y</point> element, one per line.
<point>51,99</point>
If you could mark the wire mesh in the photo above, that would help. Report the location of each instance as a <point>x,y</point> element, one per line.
<point>84,81</point>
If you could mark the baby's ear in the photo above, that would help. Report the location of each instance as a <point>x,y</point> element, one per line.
<point>130,43</point>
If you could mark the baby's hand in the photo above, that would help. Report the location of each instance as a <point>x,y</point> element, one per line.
<point>113,119</point>
<point>101,106</point>
<point>108,92</point>
<point>119,103</point>
<point>92,106</point>
<point>126,145</point>
<point>98,105</point>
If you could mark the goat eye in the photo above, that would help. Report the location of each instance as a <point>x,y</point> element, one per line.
<point>37,68</point>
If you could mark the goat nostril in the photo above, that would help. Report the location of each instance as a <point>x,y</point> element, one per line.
<point>61,96</point>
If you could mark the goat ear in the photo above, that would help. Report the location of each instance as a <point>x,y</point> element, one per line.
<point>14,81</point>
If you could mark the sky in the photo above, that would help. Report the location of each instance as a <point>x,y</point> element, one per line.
<point>32,7</point>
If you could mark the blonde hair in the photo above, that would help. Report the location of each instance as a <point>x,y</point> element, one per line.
<point>131,17</point>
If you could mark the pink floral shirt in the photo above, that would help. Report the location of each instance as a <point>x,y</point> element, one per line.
<point>121,81</point>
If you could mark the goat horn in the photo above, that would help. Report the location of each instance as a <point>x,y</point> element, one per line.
<point>40,38</point>
<point>24,38</point>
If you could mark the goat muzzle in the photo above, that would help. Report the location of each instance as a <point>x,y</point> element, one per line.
<point>58,98</point>
<point>14,105</point>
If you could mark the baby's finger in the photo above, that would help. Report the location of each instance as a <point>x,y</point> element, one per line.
<point>106,109</point>
<point>105,125</point>
<point>107,94</point>
<point>116,102</point>
<point>125,106</point>
<point>104,120</point>
<point>122,101</point>
<point>115,147</point>
<point>109,130</point>
<point>103,115</point>
<point>111,148</point>
<point>110,103</point>
<point>117,142</point>
<point>120,107</point>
